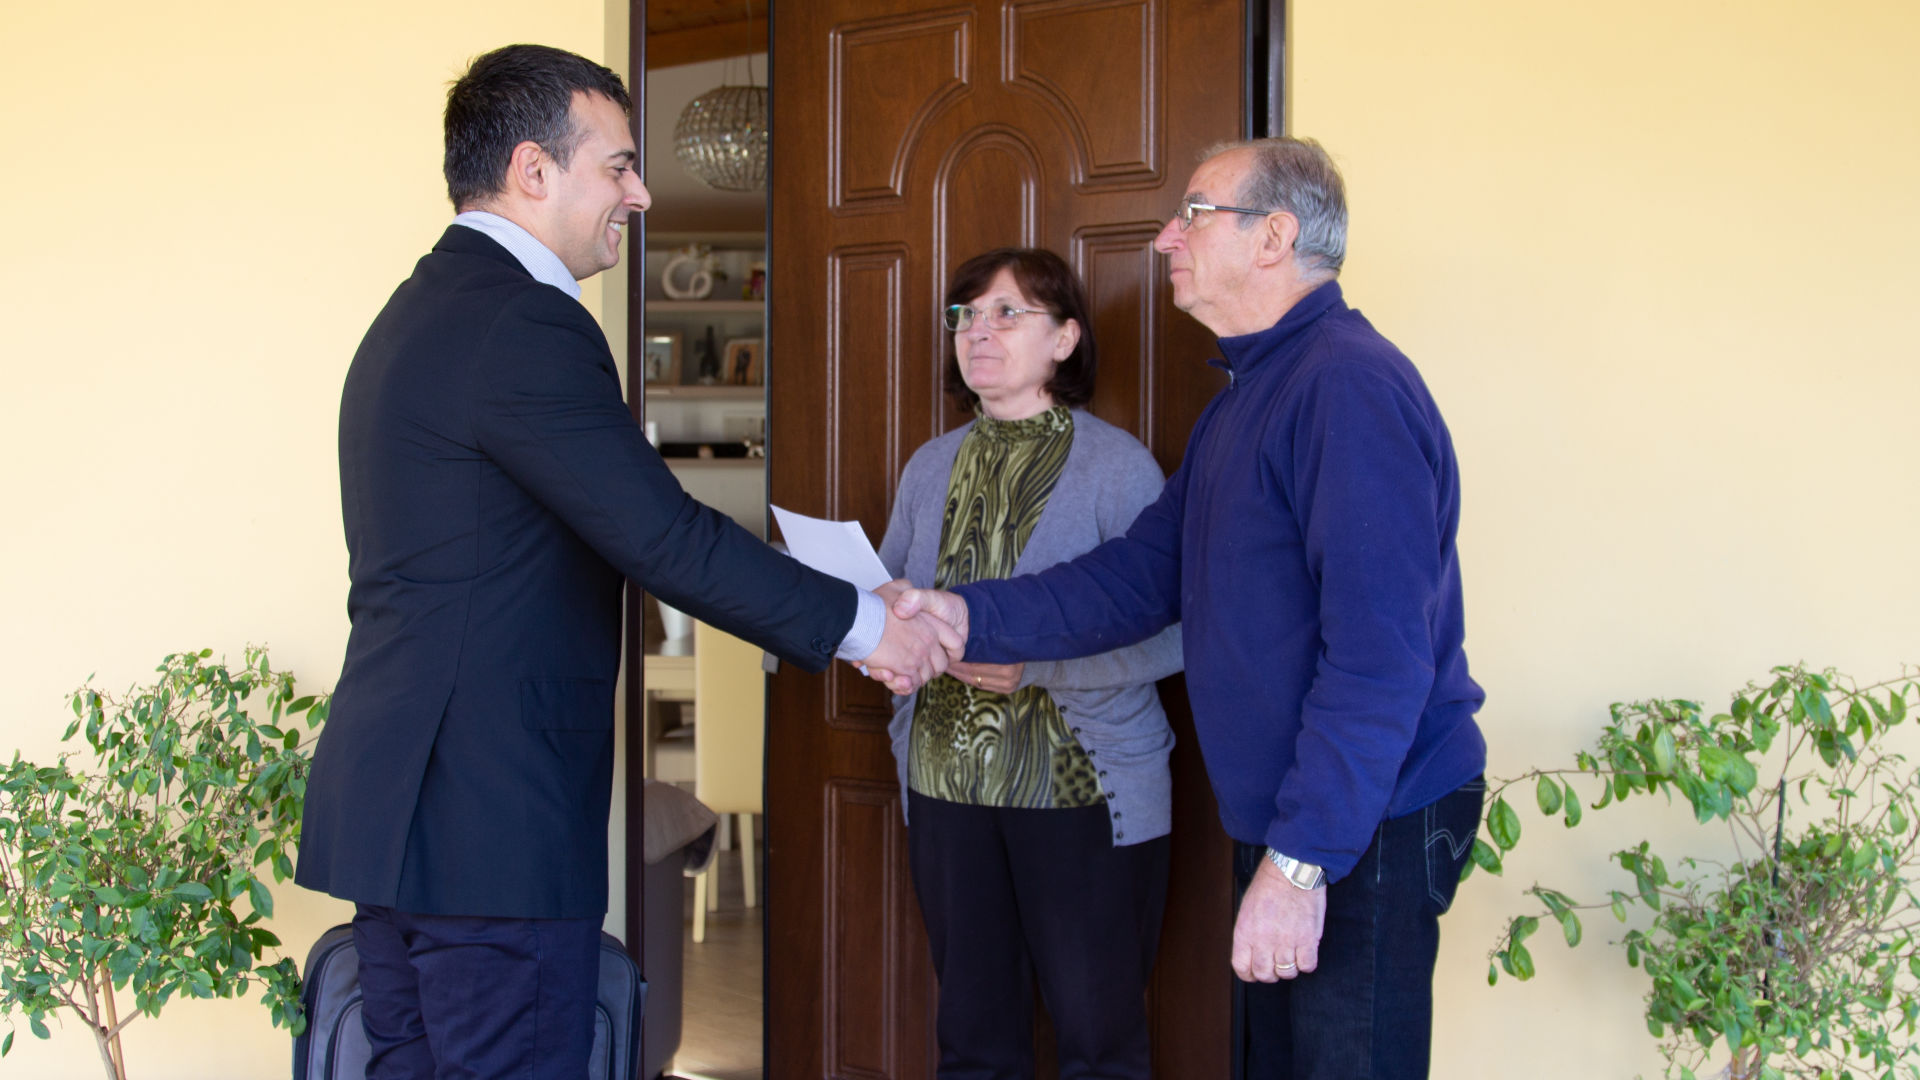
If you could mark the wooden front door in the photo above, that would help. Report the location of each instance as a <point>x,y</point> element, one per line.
<point>909,136</point>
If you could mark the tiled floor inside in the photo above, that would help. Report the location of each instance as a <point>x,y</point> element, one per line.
<point>720,1037</point>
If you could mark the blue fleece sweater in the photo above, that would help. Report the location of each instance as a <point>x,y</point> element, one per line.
<point>1306,544</point>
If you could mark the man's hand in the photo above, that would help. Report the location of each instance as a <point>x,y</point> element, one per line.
<point>1277,935</point>
<point>999,678</point>
<point>891,590</point>
<point>943,605</point>
<point>913,649</point>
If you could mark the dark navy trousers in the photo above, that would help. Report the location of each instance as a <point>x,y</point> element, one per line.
<point>465,998</point>
<point>1367,1012</point>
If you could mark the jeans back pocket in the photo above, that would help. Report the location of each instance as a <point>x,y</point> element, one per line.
<point>1452,822</point>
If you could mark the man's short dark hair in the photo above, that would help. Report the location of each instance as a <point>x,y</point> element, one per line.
<point>516,94</point>
<point>1048,281</point>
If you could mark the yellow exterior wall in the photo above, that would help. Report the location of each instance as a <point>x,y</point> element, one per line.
<point>1658,261</point>
<point>209,201</point>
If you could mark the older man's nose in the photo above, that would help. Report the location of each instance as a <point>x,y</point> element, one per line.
<point>1169,237</point>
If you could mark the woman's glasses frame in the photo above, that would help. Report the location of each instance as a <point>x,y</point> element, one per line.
<point>959,317</point>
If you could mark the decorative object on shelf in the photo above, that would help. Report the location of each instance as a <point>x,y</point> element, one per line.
<point>744,367</point>
<point>689,273</point>
<point>756,286</point>
<point>721,137</point>
<point>709,360</point>
<point>663,358</point>
<point>750,429</point>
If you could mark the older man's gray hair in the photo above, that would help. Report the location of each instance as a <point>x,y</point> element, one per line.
<point>1298,176</point>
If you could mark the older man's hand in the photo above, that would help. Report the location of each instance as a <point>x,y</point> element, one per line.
<point>913,649</point>
<point>1277,934</point>
<point>946,606</point>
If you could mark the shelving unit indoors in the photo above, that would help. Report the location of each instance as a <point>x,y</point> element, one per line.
<point>710,426</point>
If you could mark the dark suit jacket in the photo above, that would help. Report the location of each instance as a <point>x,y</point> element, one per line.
<point>495,490</point>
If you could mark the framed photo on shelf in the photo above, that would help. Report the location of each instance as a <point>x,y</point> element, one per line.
<point>745,365</point>
<point>662,362</point>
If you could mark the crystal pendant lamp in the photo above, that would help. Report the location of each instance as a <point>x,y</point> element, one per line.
<point>721,138</point>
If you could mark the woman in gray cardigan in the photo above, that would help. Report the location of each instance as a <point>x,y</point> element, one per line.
<point>1038,794</point>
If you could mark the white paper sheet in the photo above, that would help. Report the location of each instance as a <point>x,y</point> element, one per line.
<point>840,548</point>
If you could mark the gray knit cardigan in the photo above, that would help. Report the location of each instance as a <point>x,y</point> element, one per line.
<point>1108,700</point>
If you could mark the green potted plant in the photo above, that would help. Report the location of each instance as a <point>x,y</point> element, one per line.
<point>136,871</point>
<point>1801,954</point>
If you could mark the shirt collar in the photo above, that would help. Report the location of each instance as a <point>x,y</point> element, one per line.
<point>539,260</point>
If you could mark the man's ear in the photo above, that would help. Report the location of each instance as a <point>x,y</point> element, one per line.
<point>529,170</point>
<point>1278,231</point>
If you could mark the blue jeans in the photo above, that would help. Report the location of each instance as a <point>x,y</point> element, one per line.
<point>1367,1012</point>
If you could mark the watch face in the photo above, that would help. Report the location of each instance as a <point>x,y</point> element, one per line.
<point>1303,875</point>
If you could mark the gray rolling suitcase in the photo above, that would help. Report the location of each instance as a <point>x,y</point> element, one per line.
<point>334,1046</point>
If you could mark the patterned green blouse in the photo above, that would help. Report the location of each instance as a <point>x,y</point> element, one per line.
<point>971,745</point>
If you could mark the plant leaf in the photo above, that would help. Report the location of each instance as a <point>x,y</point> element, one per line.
<point>1664,751</point>
<point>1485,856</point>
<point>1503,824</point>
<point>1522,963</point>
<point>1547,794</point>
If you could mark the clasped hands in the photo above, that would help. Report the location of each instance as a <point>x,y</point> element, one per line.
<point>926,634</point>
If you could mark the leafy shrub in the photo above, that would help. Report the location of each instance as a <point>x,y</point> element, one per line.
<point>126,876</point>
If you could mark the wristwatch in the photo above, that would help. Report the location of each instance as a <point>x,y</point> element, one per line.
<point>1303,875</point>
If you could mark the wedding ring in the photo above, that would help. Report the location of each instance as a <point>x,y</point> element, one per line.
<point>1284,967</point>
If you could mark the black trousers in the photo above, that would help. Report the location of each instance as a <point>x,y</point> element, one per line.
<point>1011,894</point>
<point>460,998</point>
<point>1367,1012</point>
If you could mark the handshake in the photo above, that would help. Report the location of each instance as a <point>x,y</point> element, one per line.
<point>926,633</point>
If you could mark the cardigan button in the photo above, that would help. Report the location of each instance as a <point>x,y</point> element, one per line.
<point>1118,835</point>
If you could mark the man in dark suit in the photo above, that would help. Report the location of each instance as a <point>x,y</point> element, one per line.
<point>495,491</point>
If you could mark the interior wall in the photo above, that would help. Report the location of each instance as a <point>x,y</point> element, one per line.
<point>1657,262</point>
<point>213,200</point>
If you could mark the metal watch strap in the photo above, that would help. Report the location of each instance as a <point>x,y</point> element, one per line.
<point>1301,875</point>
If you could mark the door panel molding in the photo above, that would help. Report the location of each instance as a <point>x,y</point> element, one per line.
<point>863,996</point>
<point>900,71</point>
<point>965,184</point>
<point>1076,56</point>
<point>1119,266</point>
